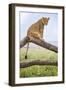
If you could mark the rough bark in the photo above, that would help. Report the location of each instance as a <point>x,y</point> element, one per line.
<point>41,43</point>
<point>38,62</point>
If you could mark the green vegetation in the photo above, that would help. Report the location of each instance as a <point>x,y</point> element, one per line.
<point>36,70</point>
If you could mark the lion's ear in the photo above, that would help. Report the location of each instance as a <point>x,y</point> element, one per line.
<point>42,17</point>
<point>43,20</point>
<point>48,18</point>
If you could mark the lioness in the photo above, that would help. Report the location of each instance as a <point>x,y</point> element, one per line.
<point>36,30</point>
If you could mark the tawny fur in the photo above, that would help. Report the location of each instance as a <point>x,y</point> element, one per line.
<point>36,30</point>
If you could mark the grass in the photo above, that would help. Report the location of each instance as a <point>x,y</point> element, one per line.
<point>36,70</point>
<point>38,54</point>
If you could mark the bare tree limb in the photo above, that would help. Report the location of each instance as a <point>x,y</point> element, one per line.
<point>24,41</point>
<point>41,43</point>
<point>38,62</point>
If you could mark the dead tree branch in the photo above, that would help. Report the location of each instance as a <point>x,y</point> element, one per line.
<point>41,43</point>
<point>38,62</point>
<point>24,41</point>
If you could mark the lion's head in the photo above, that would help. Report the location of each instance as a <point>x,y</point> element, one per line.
<point>45,20</point>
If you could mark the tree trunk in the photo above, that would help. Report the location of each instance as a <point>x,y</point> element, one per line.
<point>41,43</point>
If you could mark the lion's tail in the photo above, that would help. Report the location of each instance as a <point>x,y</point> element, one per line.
<point>27,50</point>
